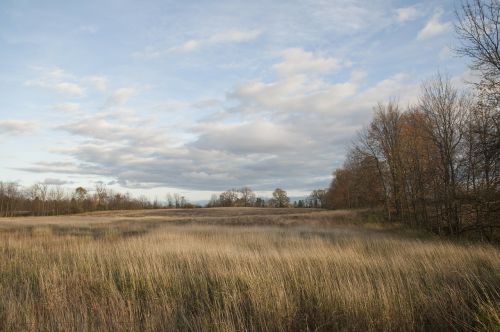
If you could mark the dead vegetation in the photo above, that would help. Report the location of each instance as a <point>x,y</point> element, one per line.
<point>240,269</point>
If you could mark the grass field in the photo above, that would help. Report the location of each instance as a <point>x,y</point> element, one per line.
<point>239,269</point>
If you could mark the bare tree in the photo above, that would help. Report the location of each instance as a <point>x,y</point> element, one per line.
<point>380,144</point>
<point>247,196</point>
<point>260,202</point>
<point>177,200</point>
<point>446,111</point>
<point>229,197</point>
<point>101,196</point>
<point>280,197</point>
<point>318,198</point>
<point>478,28</point>
<point>170,201</point>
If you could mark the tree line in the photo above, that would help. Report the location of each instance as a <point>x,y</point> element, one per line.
<point>436,164</point>
<point>42,199</point>
<point>246,197</point>
<point>47,200</point>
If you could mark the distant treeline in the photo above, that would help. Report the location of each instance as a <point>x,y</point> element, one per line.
<point>47,200</point>
<point>245,197</point>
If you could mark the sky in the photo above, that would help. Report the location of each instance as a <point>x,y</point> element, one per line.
<point>196,97</point>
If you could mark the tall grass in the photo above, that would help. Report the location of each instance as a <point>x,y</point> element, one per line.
<point>329,276</point>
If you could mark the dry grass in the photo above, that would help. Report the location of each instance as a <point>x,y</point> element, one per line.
<point>239,269</point>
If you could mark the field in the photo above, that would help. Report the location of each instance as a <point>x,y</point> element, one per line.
<point>240,269</point>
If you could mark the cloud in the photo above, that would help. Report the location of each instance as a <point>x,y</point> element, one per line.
<point>225,37</point>
<point>296,132</point>
<point>56,182</point>
<point>434,27</point>
<point>292,94</point>
<point>61,87</point>
<point>67,107</point>
<point>297,60</point>
<point>299,86</point>
<point>407,14</point>
<point>190,45</point>
<point>233,36</point>
<point>101,128</point>
<point>58,80</point>
<point>121,96</point>
<point>246,138</point>
<point>16,127</point>
<point>99,82</point>
<point>69,88</point>
<point>62,168</point>
<point>290,131</point>
<point>207,103</point>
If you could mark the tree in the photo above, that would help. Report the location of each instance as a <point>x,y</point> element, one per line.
<point>228,198</point>
<point>478,28</point>
<point>80,193</point>
<point>79,199</point>
<point>379,148</point>
<point>357,184</point>
<point>247,196</point>
<point>281,198</point>
<point>42,199</point>
<point>446,111</point>
<point>318,198</point>
<point>177,200</point>
<point>260,202</point>
<point>101,196</point>
<point>170,201</point>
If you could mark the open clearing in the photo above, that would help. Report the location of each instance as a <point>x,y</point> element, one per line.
<point>230,269</point>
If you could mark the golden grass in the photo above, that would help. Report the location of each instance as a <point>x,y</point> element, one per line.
<point>240,269</point>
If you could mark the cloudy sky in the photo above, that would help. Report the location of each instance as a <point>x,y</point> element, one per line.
<point>200,96</point>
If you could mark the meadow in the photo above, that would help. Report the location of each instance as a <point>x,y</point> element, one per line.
<point>240,269</point>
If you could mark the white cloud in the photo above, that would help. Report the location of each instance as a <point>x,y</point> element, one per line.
<point>190,45</point>
<point>61,87</point>
<point>234,36</point>
<point>207,103</point>
<point>57,73</point>
<point>69,88</point>
<point>434,27</point>
<point>99,82</point>
<point>225,37</point>
<point>407,14</point>
<point>121,96</point>
<point>248,137</point>
<point>293,94</point>
<point>298,135</point>
<point>16,127</point>
<point>67,107</point>
<point>58,80</point>
<point>297,60</point>
<point>55,182</point>
<point>290,131</point>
